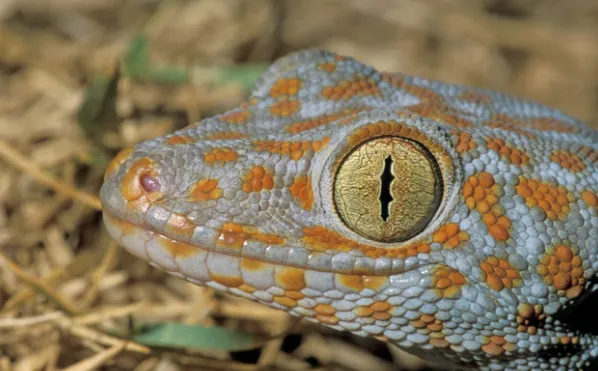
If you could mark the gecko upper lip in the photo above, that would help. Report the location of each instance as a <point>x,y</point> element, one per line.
<point>317,261</point>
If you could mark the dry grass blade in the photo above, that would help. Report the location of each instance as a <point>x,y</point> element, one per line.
<point>30,321</point>
<point>99,337</point>
<point>98,273</point>
<point>13,157</point>
<point>28,292</point>
<point>99,359</point>
<point>102,314</point>
<point>40,286</point>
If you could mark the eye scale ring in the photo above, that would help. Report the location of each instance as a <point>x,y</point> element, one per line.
<point>388,189</point>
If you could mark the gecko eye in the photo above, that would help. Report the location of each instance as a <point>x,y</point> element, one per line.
<point>388,189</point>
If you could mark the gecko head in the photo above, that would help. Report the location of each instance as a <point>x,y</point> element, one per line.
<point>362,202</point>
<point>286,220</point>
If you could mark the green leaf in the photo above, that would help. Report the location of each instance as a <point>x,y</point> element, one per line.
<point>179,335</point>
<point>99,105</point>
<point>134,62</point>
<point>168,75</point>
<point>99,159</point>
<point>246,74</point>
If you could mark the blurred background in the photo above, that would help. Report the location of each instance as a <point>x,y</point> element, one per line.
<point>80,79</point>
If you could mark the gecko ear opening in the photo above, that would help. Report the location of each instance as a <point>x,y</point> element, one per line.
<point>388,188</point>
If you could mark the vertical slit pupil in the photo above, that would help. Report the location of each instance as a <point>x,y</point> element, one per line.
<point>385,182</point>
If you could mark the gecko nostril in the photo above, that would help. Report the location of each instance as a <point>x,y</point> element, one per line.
<point>141,181</point>
<point>149,183</point>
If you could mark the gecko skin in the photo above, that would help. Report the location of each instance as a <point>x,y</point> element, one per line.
<point>490,232</point>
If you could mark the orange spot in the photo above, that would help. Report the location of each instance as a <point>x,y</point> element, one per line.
<point>554,200</point>
<point>290,278</point>
<point>481,192</point>
<point>236,117</point>
<point>125,227</point>
<point>220,154</point>
<point>322,239</point>
<point>235,235</point>
<point>247,288</point>
<point>440,112</point>
<point>347,89</point>
<point>301,189</point>
<point>382,316</point>
<point>352,282</point>
<point>381,128</point>
<point>295,150</point>
<point>550,124</point>
<point>439,343</point>
<point>325,309</point>
<point>380,306</point>
<point>512,155</point>
<point>590,198</point>
<point>268,239</point>
<point>252,265</point>
<point>363,311</point>
<point>568,160</point>
<point>530,318</point>
<point>117,161</point>
<point>450,235</point>
<point>221,135</point>
<point>499,273</point>
<point>285,87</point>
<point>465,143</point>
<point>497,345</point>
<point>257,179</point>
<point>432,105</point>
<point>327,66</point>
<point>589,154</point>
<point>328,320</point>
<point>428,325</point>
<point>447,281</point>
<point>374,282</point>
<point>295,295</point>
<point>347,115</point>
<point>358,282</point>
<point>177,249</point>
<point>228,281</point>
<point>179,139</point>
<point>505,122</point>
<point>286,301</point>
<point>180,225</point>
<point>205,189</point>
<point>285,107</point>
<point>562,268</point>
